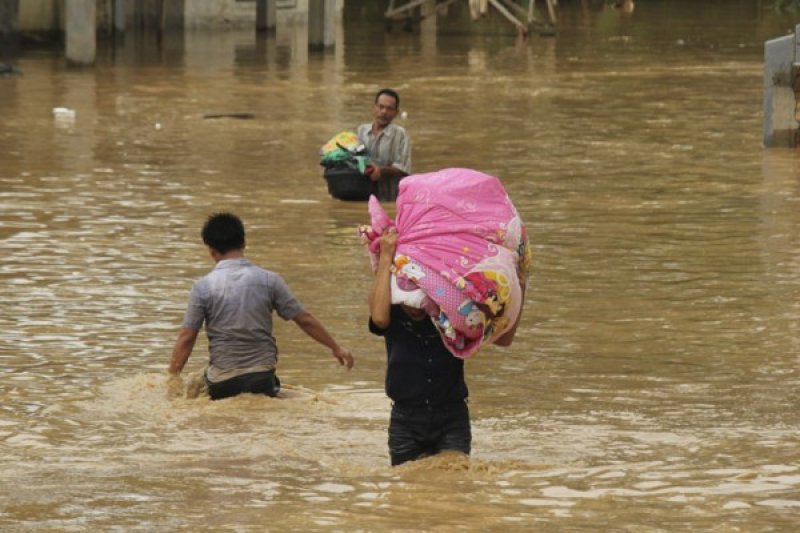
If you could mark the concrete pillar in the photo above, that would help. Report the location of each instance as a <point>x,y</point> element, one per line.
<point>265,15</point>
<point>81,31</point>
<point>120,16</point>
<point>321,23</point>
<point>291,31</point>
<point>9,31</point>
<point>332,13</point>
<point>780,122</point>
<point>427,27</point>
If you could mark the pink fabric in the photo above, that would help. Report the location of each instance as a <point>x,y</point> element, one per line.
<point>462,242</point>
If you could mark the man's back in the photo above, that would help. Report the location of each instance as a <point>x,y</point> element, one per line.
<point>236,301</point>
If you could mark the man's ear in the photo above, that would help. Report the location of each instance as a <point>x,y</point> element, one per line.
<point>215,255</point>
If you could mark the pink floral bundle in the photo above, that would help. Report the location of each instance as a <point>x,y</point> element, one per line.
<point>461,250</point>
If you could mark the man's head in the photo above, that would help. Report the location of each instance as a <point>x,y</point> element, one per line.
<point>387,104</point>
<point>223,232</point>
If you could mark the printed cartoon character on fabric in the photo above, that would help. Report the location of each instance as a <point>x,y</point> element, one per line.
<point>463,245</point>
<point>472,314</point>
<point>405,289</point>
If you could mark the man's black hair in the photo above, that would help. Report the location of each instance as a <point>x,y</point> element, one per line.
<point>389,92</point>
<point>223,232</point>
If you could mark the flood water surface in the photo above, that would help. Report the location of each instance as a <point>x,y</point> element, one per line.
<point>653,383</point>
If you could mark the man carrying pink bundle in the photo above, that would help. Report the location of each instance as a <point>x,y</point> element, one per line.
<point>449,275</point>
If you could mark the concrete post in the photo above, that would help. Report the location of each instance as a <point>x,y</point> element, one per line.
<point>120,17</point>
<point>272,15</point>
<point>291,30</point>
<point>427,27</point>
<point>331,18</point>
<point>321,23</point>
<point>265,15</point>
<point>780,122</point>
<point>9,32</point>
<point>81,31</point>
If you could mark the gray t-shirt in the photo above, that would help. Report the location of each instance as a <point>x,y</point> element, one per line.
<point>236,301</point>
<point>390,148</point>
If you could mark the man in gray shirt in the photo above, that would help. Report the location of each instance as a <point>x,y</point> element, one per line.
<point>388,145</point>
<point>236,301</point>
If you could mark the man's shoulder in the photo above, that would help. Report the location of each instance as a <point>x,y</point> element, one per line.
<point>250,268</point>
<point>395,316</point>
<point>267,274</point>
<point>394,128</point>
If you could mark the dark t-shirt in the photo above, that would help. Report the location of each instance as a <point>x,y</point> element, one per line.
<point>421,371</point>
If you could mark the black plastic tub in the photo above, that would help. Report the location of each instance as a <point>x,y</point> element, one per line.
<point>347,183</point>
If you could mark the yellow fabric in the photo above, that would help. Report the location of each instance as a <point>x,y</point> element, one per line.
<point>347,139</point>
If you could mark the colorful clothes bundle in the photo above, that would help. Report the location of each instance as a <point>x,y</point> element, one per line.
<point>344,150</point>
<point>461,249</point>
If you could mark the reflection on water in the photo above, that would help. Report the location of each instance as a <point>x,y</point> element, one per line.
<point>654,380</point>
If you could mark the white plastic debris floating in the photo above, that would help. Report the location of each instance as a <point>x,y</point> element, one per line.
<point>64,116</point>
